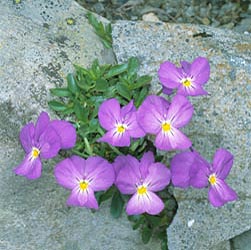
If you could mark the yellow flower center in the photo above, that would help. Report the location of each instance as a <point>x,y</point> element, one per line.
<point>141,190</point>
<point>35,152</point>
<point>212,179</point>
<point>166,126</point>
<point>83,185</point>
<point>121,128</point>
<point>186,82</point>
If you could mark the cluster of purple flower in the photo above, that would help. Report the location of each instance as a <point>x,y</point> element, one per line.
<point>141,179</point>
<point>43,140</point>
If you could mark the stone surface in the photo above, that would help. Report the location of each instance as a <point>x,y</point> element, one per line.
<point>37,49</point>
<point>242,242</point>
<point>221,119</point>
<point>224,245</point>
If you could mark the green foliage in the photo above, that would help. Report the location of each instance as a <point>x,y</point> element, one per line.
<point>103,31</point>
<point>117,204</point>
<point>86,89</point>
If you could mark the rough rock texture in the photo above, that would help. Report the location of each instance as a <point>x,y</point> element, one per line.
<point>243,241</point>
<point>221,119</point>
<point>37,49</point>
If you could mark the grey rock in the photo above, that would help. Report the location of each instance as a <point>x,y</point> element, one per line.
<point>225,245</point>
<point>221,119</point>
<point>242,242</point>
<point>37,50</point>
<point>244,25</point>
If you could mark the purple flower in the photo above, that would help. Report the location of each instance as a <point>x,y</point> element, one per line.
<point>156,116</point>
<point>43,140</point>
<point>121,123</point>
<point>83,178</point>
<point>189,79</point>
<point>141,179</point>
<point>190,169</point>
<point>166,90</point>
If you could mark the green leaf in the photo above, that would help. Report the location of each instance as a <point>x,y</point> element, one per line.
<point>106,195</point>
<point>106,43</point>
<point>101,85</point>
<point>135,144</point>
<point>117,204</point>
<point>108,28</point>
<point>123,91</point>
<point>142,81</point>
<point>68,111</point>
<point>154,220</point>
<point>86,84</point>
<point>139,222</point>
<point>72,85</point>
<point>116,70</point>
<point>146,234</point>
<point>140,97</point>
<point>88,147</point>
<point>60,92</point>
<point>92,20</point>
<point>133,66</point>
<point>103,31</point>
<point>57,106</point>
<point>81,112</point>
<point>80,70</point>
<point>164,245</point>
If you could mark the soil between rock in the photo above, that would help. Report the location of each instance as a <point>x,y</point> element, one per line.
<point>230,14</point>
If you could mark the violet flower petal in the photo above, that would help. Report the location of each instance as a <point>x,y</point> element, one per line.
<point>100,173</point>
<point>50,143</point>
<point>77,197</point>
<point>109,113</point>
<point>79,164</point>
<point>169,75</point>
<point>146,160</point>
<point>116,139</point>
<point>149,203</point>
<point>119,163</point>
<point>186,67</point>
<point>194,90</point>
<point>128,176</point>
<point>36,170</point>
<point>91,202</point>
<point>200,70</point>
<point>199,172</point>
<point>151,113</point>
<point>82,198</point>
<point>27,137</point>
<point>167,91</point>
<point>67,174</point>
<point>134,128</point>
<point>158,177</point>
<point>41,124</point>
<point>127,109</point>
<point>222,163</point>
<point>172,140</point>
<point>30,168</point>
<point>66,132</point>
<point>221,193</point>
<point>135,205</point>
<point>180,111</point>
<point>180,169</point>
